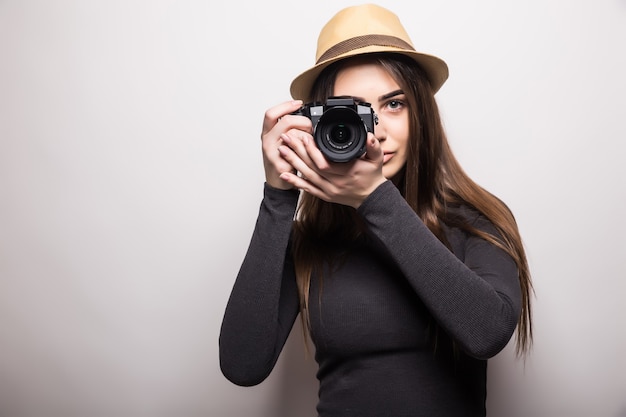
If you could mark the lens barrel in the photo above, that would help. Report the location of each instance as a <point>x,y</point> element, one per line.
<point>340,134</point>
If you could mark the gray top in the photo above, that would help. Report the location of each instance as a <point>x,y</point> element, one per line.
<point>374,319</point>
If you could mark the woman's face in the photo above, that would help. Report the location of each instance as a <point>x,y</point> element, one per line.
<point>369,82</point>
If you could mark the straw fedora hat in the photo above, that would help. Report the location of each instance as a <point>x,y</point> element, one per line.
<point>365,29</point>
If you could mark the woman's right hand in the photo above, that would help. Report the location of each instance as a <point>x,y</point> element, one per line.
<point>277,121</point>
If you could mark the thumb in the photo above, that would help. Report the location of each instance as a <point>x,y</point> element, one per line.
<point>373,151</point>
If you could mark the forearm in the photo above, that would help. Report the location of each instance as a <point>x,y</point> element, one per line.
<point>476,302</point>
<point>263,303</point>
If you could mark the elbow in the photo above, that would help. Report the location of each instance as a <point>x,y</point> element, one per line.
<point>243,367</point>
<point>241,380</point>
<point>238,362</point>
<point>240,373</point>
<point>486,347</point>
<point>490,338</point>
<point>489,344</point>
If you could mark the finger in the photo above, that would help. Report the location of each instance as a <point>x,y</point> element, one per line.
<point>298,141</point>
<point>295,153</point>
<point>317,158</point>
<point>304,184</point>
<point>373,152</point>
<point>273,114</point>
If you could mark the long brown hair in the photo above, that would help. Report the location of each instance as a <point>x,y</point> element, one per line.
<point>431,181</point>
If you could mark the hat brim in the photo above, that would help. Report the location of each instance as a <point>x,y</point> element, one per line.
<point>436,69</point>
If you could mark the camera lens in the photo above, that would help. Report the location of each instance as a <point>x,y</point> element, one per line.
<point>340,134</point>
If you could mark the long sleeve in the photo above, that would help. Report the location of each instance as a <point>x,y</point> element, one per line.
<point>476,300</point>
<point>263,304</point>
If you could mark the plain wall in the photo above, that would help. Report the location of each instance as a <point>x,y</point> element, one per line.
<point>131,175</point>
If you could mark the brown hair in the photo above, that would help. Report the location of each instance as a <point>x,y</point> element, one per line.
<point>432,180</point>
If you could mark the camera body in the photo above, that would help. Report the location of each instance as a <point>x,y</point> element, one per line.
<point>340,126</point>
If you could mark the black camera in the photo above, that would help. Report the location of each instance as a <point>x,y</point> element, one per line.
<point>340,126</point>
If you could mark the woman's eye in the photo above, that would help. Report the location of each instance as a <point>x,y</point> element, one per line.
<point>394,104</point>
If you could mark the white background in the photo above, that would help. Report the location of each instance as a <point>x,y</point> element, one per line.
<point>130,178</point>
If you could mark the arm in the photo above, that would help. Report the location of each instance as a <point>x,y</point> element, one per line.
<point>477,302</point>
<point>264,303</point>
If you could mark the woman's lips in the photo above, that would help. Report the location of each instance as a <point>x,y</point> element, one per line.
<point>387,157</point>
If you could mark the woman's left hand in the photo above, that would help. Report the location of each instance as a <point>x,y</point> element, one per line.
<point>347,183</point>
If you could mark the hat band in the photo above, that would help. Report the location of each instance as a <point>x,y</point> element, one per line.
<point>361,42</point>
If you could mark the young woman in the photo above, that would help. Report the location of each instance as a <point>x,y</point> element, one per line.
<point>407,275</point>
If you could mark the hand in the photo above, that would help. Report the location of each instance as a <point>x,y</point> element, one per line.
<point>348,183</point>
<point>276,122</point>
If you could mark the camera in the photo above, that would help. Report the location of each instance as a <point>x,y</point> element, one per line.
<point>340,126</point>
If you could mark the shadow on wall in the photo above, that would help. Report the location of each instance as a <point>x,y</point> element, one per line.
<point>296,383</point>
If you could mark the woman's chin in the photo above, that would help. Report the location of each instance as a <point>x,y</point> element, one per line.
<point>393,173</point>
